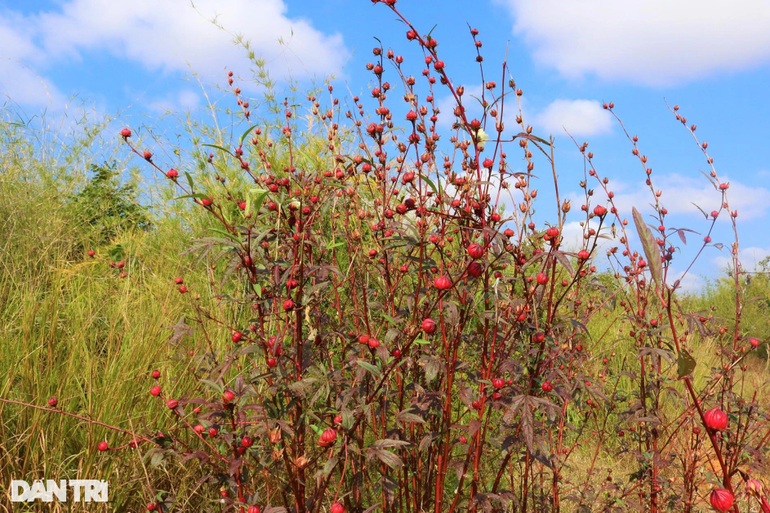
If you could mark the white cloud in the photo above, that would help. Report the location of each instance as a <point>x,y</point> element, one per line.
<point>653,42</point>
<point>580,118</point>
<point>19,81</point>
<point>749,258</point>
<point>184,100</point>
<point>167,36</point>
<point>690,283</point>
<point>681,194</point>
<point>171,35</point>
<point>573,238</point>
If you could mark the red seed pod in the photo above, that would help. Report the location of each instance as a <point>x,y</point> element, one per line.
<point>428,326</point>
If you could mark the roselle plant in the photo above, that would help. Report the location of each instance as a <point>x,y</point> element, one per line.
<point>390,323</point>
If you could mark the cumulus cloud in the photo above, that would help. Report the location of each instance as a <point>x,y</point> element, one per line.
<point>573,237</point>
<point>684,195</point>
<point>171,35</point>
<point>690,283</point>
<point>185,100</point>
<point>653,42</point>
<point>19,80</point>
<point>168,36</point>
<point>580,118</point>
<point>749,258</point>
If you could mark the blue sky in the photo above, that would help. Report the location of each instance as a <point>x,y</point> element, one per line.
<point>134,61</point>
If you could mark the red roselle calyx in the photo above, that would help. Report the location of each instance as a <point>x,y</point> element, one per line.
<point>721,499</point>
<point>442,283</point>
<point>475,251</point>
<point>475,269</point>
<point>327,438</point>
<point>715,419</point>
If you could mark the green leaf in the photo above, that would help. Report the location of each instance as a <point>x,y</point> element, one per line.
<point>217,387</point>
<point>431,185</point>
<point>376,371</point>
<point>388,458</point>
<point>255,199</point>
<point>329,466</point>
<point>226,234</point>
<point>243,137</point>
<point>408,417</point>
<point>197,195</point>
<point>388,318</point>
<point>685,363</point>
<point>387,443</point>
<point>220,148</point>
<point>650,247</point>
<point>189,180</point>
